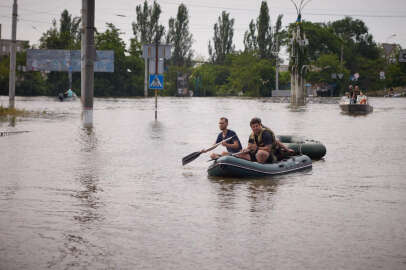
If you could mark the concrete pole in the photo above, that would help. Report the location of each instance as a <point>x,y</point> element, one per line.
<point>146,78</point>
<point>277,65</point>
<point>70,69</point>
<point>70,78</point>
<point>88,54</point>
<point>293,85</point>
<point>12,78</point>
<point>156,73</point>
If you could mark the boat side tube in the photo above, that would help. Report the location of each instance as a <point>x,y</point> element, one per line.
<point>229,166</point>
<point>314,149</point>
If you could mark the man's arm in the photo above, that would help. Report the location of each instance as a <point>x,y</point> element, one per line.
<point>284,147</point>
<point>234,145</point>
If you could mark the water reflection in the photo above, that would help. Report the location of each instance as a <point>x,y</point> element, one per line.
<point>12,121</point>
<point>157,130</point>
<point>225,191</point>
<point>87,176</point>
<point>8,192</point>
<point>259,192</point>
<point>87,139</point>
<point>296,108</point>
<point>123,197</point>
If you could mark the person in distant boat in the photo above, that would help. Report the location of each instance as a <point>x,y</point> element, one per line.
<point>262,144</point>
<point>69,93</point>
<point>355,94</point>
<point>346,99</point>
<point>233,145</point>
<point>351,92</point>
<point>390,92</point>
<point>361,99</point>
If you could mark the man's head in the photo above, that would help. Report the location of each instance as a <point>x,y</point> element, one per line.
<point>223,123</point>
<point>350,86</point>
<point>256,125</point>
<point>356,88</point>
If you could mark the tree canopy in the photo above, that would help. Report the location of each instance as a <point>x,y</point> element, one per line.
<point>223,38</point>
<point>334,51</point>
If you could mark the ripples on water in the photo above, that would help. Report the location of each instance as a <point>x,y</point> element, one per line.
<point>116,196</point>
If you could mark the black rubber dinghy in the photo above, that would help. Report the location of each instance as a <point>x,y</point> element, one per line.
<point>229,166</point>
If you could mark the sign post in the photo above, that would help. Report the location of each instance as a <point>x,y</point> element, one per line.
<point>12,76</point>
<point>153,53</point>
<point>156,73</point>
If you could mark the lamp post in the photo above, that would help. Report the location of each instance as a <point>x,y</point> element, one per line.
<point>12,76</point>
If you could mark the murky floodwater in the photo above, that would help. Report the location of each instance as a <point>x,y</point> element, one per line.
<point>117,196</point>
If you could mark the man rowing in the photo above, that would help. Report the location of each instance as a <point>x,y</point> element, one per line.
<point>232,145</point>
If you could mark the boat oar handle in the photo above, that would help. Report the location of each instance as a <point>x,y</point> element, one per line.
<point>217,144</point>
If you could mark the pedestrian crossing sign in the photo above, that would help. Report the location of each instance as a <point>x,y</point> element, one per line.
<point>156,81</point>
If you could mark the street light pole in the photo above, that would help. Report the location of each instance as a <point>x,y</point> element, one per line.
<point>12,79</point>
<point>277,64</point>
<point>156,74</point>
<point>88,56</point>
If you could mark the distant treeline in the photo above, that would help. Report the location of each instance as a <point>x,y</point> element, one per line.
<point>334,52</point>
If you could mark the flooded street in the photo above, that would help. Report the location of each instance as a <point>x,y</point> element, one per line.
<point>117,196</point>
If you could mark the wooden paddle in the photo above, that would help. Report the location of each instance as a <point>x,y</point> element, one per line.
<point>189,158</point>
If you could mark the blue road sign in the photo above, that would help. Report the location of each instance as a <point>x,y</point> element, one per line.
<point>65,60</point>
<point>156,81</point>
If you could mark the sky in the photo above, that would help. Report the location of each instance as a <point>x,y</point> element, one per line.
<point>384,19</point>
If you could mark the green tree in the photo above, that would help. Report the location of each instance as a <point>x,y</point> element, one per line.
<point>28,83</point>
<point>127,79</point>
<point>327,69</point>
<point>248,76</point>
<point>356,39</point>
<point>147,29</point>
<point>223,38</point>
<point>264,38</point>
<point>211,78</point>
<point>66,37</point>
<point>180,37</point>
<point>396,73</point>
<point>250,38</point>
<point>260,38</point>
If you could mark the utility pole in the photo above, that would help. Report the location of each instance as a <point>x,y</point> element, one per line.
<point>70,68</point>
<point>88,55</point>
<point>277,64</point>
<point>156,73</point>
<point>146,60</point>
<point>12,79</point>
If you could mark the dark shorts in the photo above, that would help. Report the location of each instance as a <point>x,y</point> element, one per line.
<point>252,156</point>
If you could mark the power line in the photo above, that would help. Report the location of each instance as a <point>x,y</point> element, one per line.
<point>354,15</point>
<point>304,13</point>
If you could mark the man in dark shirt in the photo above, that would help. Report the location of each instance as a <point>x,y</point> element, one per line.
<point>351,93</point>
<point>233,145</point>
<point>355,94</point>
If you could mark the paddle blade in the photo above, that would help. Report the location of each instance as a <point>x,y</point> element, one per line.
<point>189,158</point>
